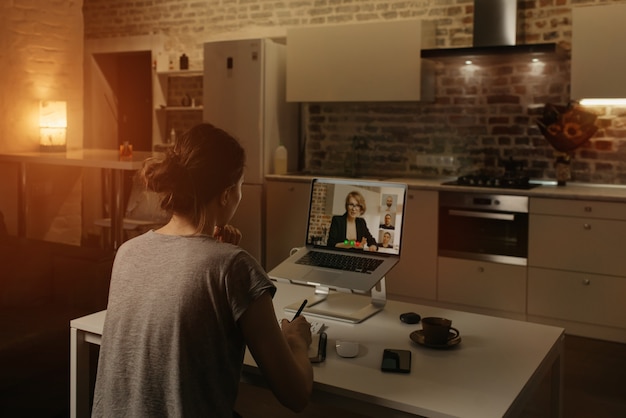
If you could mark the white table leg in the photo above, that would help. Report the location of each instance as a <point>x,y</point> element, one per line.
<point>117,208</point>
<point>22,201</point>
<point>556,383</point>
<point>79,374</point>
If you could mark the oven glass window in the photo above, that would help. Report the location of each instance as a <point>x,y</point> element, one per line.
<point>483,232</point>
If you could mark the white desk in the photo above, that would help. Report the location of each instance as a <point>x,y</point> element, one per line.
<point>491,373</point>
<point>96,158</point>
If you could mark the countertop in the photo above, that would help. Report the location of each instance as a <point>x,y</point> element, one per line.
<point>547,189</point>
<point>98,158</point>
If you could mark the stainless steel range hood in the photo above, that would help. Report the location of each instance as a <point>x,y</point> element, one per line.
<point>495,22</point>
<point>495,31</point>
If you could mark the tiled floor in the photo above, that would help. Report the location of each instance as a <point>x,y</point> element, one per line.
<point>594,387</point>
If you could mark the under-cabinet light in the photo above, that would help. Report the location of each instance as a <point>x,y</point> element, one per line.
<point>603,102</point>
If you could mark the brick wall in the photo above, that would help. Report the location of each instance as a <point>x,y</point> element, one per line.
<point>41,45</point>
<point>481,116</point>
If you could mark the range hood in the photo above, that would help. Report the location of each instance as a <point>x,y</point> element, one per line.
<point>495,27</point>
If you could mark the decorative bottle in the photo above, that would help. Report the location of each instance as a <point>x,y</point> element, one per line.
<point>280,159</point>
<point>172,136</point>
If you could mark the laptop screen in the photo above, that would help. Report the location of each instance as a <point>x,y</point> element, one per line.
<point>356,215</point>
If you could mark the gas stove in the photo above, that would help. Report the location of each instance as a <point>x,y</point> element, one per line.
<point>502,182</point>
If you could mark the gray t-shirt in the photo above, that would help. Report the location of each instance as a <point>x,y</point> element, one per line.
<point>171,345</point>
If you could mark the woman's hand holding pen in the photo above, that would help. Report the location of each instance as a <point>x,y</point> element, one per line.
<point>301,328</point>
<point>227,233</point>
<point>297,332</point>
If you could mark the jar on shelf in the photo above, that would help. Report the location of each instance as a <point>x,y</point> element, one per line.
<point>184,62</point>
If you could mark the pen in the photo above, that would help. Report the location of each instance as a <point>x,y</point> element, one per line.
<point>300,309</point>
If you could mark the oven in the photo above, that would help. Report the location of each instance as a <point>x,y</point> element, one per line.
<point>486,227</point>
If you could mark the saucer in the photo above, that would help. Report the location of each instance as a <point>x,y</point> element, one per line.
<point>418,337</point>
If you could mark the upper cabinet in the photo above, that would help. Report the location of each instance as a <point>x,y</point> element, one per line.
<point>365,62</point>
<point>598,58</point>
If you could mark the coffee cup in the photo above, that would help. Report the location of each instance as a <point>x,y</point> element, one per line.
<point>438,331</point>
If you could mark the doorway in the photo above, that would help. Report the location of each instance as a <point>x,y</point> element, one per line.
<point>118,108</point>
<point>121,101</point>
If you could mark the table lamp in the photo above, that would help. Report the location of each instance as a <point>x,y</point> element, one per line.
<point>52,126</point>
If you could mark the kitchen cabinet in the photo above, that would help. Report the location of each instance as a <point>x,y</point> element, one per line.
<point>364,62</point>
<point>286,215</point>
<point>598,59</point>
<point>577,268</point>
<point>480,284</point>
<point>414,278</point>
<point>177,99</point>
<point>581,297</point>
<point>579,235</point>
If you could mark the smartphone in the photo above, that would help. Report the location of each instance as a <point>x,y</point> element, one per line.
<point>396,361</point>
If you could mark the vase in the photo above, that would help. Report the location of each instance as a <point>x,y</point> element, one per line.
<point>562,169</point>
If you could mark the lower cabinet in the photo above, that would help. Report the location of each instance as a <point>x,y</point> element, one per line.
<point>415,275</point>
<point>577,268</point>
<point>493,286</point>
<point>580,297</point>
<point>287,210</point>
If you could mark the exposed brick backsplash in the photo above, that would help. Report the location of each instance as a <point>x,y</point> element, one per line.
<point>480,118</point>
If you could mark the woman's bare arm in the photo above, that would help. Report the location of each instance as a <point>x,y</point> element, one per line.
<point>282,355</point>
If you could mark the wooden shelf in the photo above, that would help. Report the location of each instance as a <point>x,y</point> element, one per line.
<point>180,108</point>
<point>180,73</point>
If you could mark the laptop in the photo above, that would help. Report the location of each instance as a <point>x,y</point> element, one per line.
<point>353,235</point>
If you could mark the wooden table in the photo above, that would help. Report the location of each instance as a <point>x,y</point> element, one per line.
<point>108,160</point>
<point>492,373</point>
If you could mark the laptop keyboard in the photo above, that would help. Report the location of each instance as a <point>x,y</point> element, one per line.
<point>340,261</point>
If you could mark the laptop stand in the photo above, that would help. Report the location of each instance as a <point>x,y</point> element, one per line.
<point>344,305</point>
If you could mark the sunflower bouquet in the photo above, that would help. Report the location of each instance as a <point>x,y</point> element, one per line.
<point>567,127</point>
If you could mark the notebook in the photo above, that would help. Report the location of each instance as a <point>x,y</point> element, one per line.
<point>353,235</point>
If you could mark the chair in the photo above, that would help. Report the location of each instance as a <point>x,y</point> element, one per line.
<point>143,212</point>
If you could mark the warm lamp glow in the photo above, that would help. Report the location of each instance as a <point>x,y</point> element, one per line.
<point>52,125</point>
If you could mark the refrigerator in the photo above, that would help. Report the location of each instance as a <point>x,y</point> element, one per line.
<point>244,94</point>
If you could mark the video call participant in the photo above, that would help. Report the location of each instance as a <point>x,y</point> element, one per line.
<point>350,230</point>
<point>387,222</point>
<point>388,206</point>
<point>185,300</point>
<point>386,241</point>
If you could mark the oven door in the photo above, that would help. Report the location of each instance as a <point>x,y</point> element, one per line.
<point>476,234</point>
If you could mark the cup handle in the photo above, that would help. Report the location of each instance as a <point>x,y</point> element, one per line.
<point>456,331</point>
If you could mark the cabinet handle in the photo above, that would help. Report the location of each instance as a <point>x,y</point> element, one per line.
<point>586,282</point>
<point>587,227</point>
<point>587,209</point>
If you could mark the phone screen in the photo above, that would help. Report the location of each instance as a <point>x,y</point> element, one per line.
<point>397,361</point>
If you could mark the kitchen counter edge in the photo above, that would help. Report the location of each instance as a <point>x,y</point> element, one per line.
<point>548,189</point>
